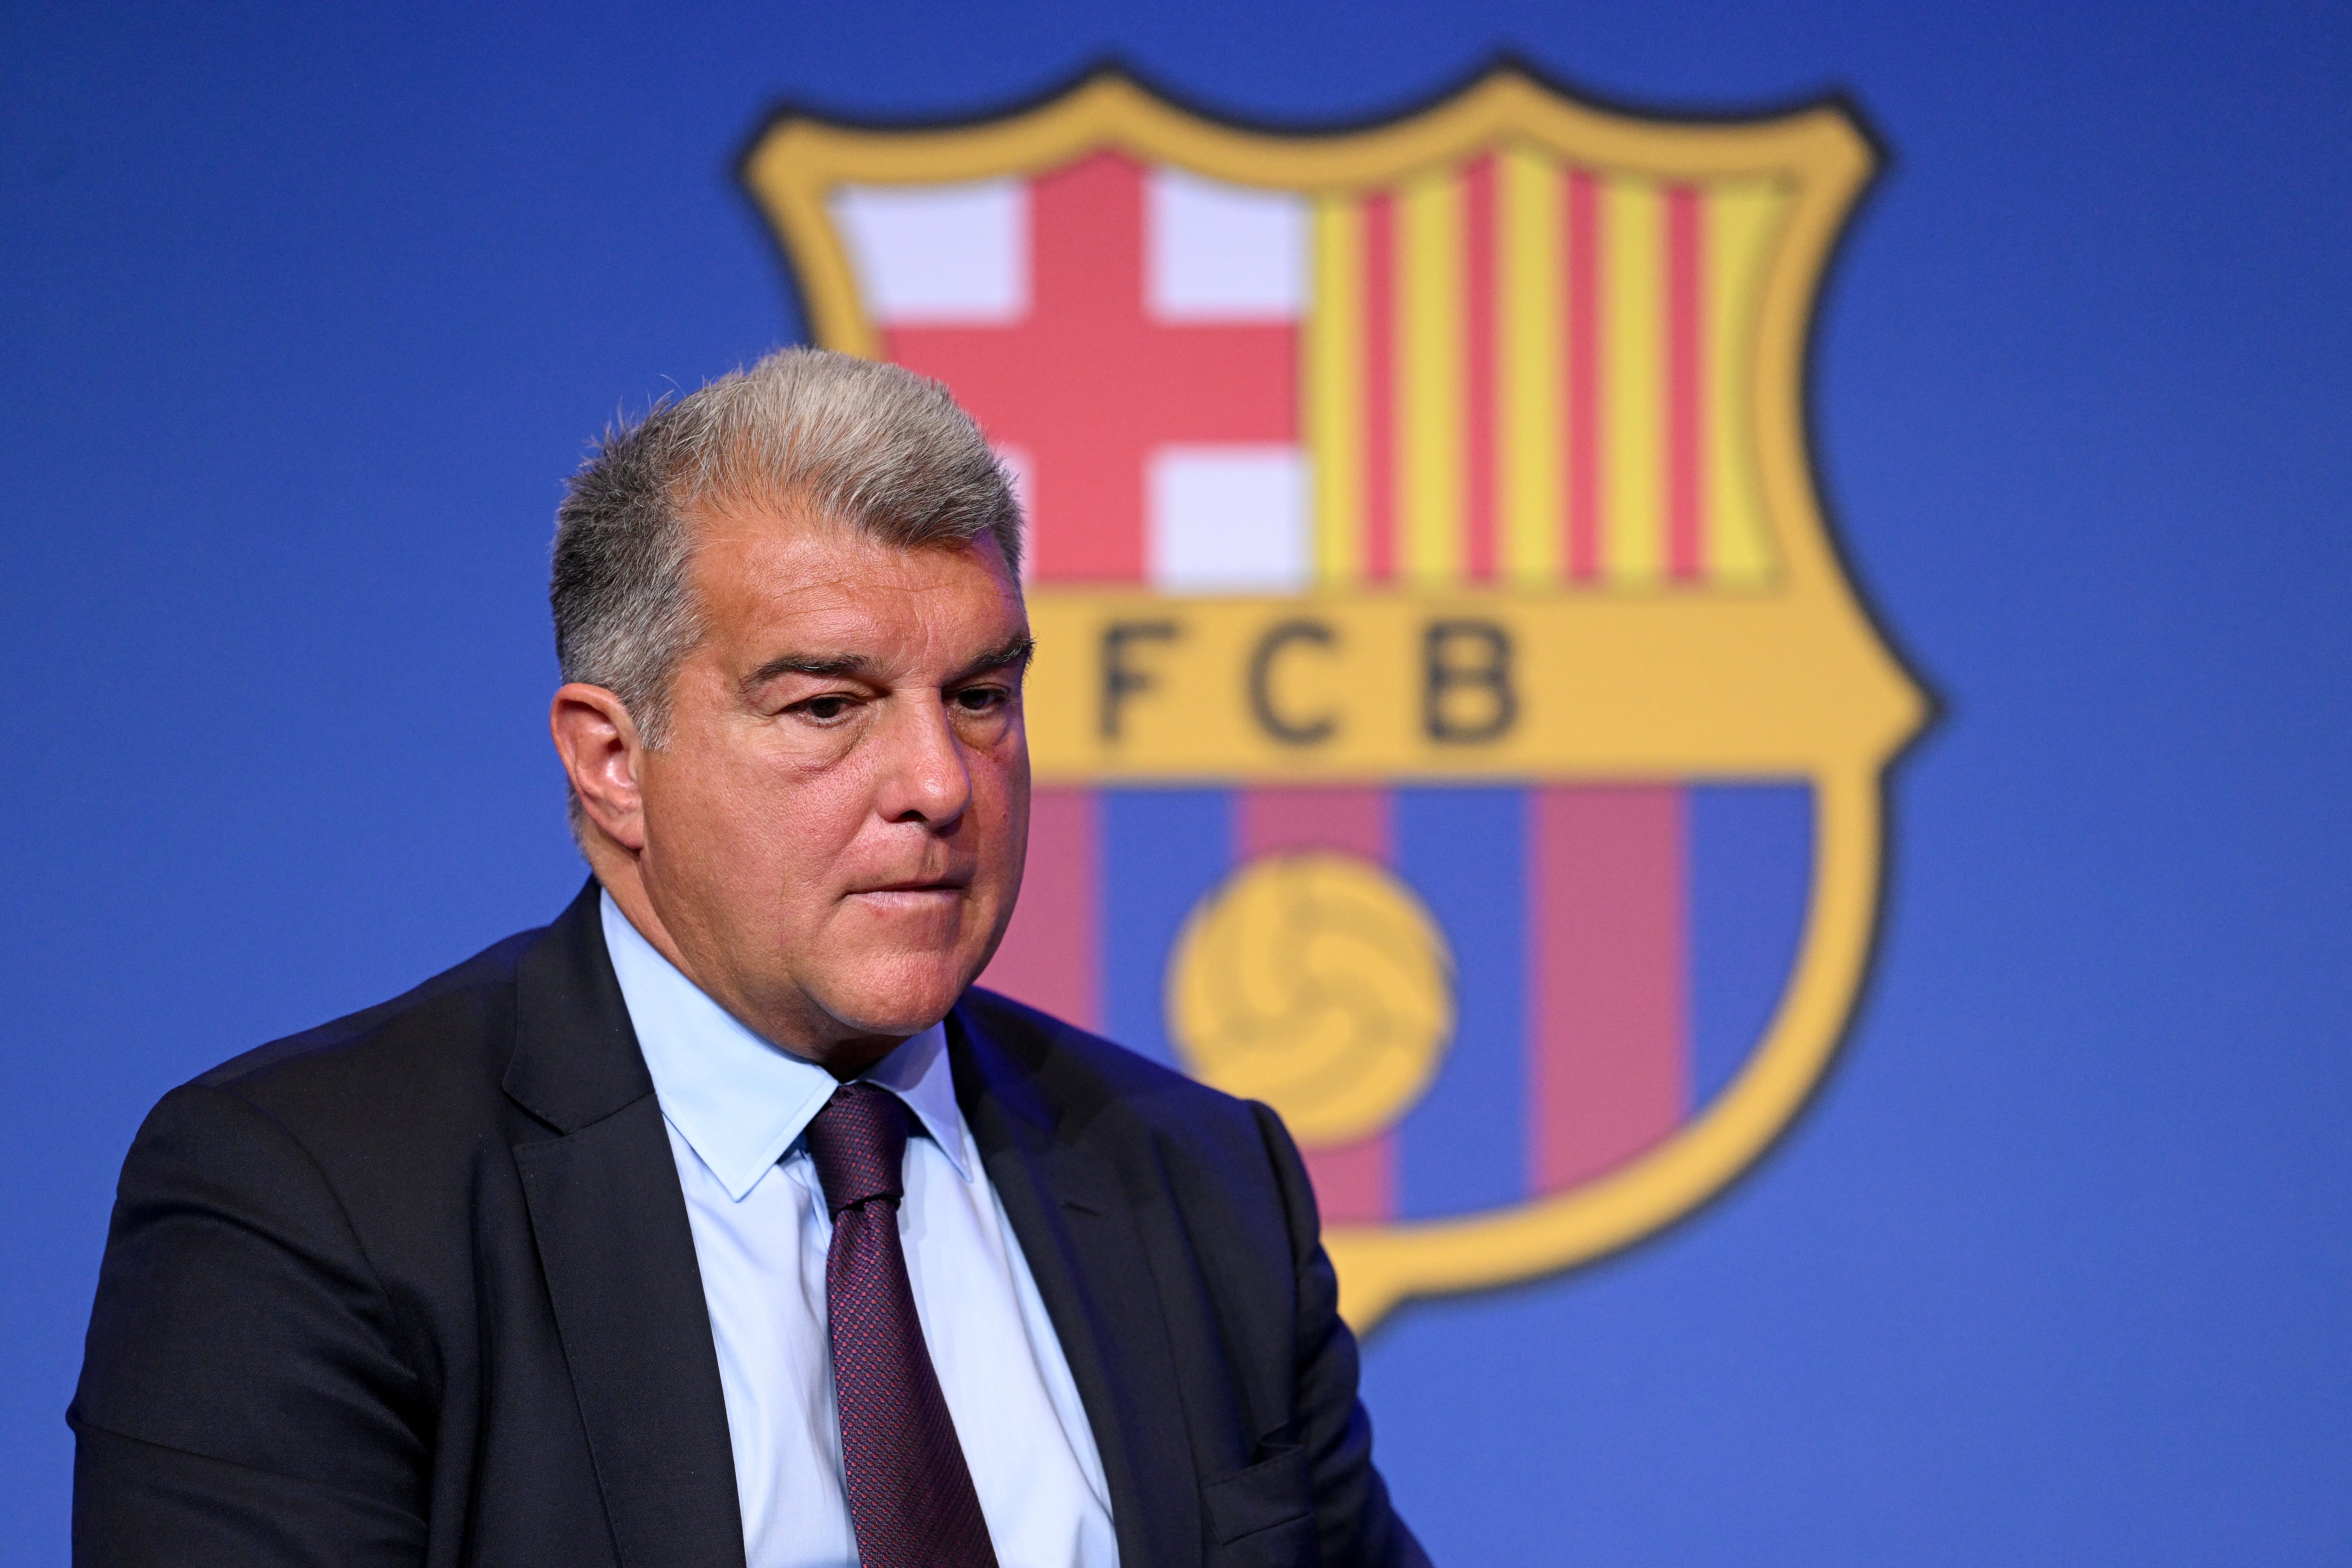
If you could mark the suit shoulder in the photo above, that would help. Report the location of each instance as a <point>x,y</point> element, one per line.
<point>457,1023</point>
<point>1226,1162</point>
<point>1077,1067</point>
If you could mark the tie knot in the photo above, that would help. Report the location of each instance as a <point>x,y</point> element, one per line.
<point>858,1140</point>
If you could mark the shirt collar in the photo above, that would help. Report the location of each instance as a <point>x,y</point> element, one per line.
<point>740,1102</point>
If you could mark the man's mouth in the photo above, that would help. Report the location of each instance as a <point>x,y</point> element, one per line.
<point>913,892</point>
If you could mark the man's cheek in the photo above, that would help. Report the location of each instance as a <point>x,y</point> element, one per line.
<point>1005,765</point>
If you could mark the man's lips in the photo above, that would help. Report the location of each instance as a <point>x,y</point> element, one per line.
<point>919,885</point>
<point>915,892</point>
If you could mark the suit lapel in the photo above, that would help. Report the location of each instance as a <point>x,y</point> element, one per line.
<point>610,1223</point>
<point>1076,1227</point>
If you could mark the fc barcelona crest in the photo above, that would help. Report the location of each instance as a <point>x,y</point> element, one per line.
<point>1452,725</point>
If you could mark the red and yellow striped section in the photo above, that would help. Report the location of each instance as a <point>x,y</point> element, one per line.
<point>1526,373</point>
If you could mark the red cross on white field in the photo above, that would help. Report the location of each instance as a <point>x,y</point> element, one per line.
<point>1088,381</point>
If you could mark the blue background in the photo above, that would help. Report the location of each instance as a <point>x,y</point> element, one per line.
<point>305,316</point>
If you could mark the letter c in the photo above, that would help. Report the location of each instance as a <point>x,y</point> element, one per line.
<point>1289,732</point>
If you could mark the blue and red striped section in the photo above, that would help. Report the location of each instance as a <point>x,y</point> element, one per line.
<point>1620,950</point>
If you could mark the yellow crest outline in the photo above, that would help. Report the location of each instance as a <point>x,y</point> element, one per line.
<point>1794,680</point>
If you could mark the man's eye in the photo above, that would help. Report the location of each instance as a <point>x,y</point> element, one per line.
<point>980,699</point>
<point>825,707</point>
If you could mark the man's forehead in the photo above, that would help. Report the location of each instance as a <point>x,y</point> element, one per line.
<point>790,551</point>
<point>783,593</point>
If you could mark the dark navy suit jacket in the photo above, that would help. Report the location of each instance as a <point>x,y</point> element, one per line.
<point>418,1288</point>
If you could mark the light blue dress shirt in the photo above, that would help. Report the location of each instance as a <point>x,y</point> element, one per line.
<point>735,1107</point>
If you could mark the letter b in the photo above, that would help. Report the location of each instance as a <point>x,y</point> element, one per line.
<point>1466,693</point>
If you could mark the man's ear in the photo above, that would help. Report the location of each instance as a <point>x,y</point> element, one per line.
<point>601,750</point>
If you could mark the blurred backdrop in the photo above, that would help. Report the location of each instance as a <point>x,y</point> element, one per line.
<point>309,315</point>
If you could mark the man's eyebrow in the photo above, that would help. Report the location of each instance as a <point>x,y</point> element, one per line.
<point>819,664</point>
<point>822,666</point>
<point>1017,652</point>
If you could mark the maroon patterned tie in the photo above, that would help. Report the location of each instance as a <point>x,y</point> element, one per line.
<point>910,1495</point>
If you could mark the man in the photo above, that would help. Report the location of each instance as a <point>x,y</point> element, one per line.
<point>721,1222</point>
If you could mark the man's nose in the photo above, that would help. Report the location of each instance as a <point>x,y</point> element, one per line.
<point>924,777</point>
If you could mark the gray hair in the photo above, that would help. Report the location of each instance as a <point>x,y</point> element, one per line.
<point>874,445</point>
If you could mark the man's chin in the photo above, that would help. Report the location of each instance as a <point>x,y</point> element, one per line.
<point>899,998</point>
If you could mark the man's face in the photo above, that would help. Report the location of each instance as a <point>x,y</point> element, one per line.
<point>835,828</point>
